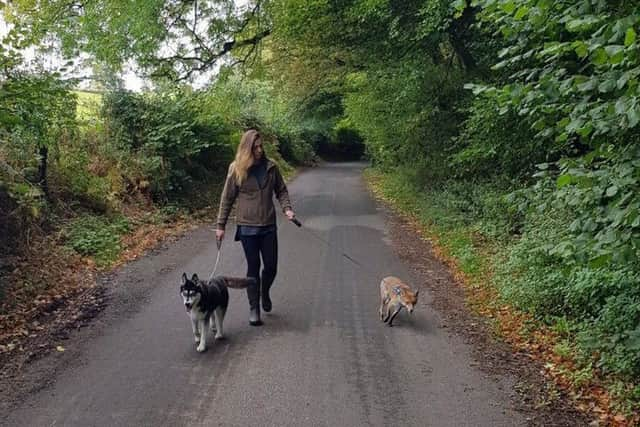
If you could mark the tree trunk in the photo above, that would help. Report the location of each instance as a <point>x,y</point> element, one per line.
<point>42,171</point>
<point>459,35</point>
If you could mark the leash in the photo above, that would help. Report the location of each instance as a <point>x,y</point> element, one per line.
<point>329,245</point>
<point>215,267</point>
<point>219,247</point>
<point>311,233</point>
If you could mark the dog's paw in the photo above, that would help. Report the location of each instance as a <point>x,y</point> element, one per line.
<point>219,337</point>
<point>201,348</point>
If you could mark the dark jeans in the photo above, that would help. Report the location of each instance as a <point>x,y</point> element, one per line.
<point>267,246</point>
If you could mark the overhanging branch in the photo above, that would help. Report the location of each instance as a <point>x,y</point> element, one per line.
<point>205,52</point>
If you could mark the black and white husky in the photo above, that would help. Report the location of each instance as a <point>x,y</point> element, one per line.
<point>203,299</point>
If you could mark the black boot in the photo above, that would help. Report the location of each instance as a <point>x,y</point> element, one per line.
<point>266,300</point>
<point>253,294</point>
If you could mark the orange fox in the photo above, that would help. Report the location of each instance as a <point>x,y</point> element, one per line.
<point>395,294</point>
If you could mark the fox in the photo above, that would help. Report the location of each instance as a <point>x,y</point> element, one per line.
<point>395,294</point>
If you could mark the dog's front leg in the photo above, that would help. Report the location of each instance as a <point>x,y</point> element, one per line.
<point>202,323</point>
<point>194,327</point>
<point>219,318</point>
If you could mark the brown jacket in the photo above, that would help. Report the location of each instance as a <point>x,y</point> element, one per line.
<point>254,203</point>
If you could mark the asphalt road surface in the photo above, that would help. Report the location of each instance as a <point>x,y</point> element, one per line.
<point>322,358</point>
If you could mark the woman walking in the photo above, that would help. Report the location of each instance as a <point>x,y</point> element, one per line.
<point>252,180</point>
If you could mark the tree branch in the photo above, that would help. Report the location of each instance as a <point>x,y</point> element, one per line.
<point>205,53</point>
<point>213,57</point>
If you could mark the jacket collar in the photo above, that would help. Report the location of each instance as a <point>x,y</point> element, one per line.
<point>270,164</point>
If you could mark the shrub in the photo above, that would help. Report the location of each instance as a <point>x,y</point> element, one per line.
<point>494,143</point>
<point>98,237</point>
<point>176,144</point>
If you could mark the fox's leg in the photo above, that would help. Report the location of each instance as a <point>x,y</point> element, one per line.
<point>219,318</point>
<point>203,336</point>
<point>384,298</point>
<point>383,302</point>
<point>388,313</point>
<point>395,313</point>
<point>194,328</point>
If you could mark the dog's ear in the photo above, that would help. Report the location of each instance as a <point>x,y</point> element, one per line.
<point>194,278</point>
<point>184,278</point>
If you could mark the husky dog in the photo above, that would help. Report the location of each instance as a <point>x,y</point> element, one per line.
<point>395,294</point>
<point>202,299</point>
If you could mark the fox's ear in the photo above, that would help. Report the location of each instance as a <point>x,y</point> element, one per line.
<point>416,293</point>
<point>184,278</point>
<point>194,278</point>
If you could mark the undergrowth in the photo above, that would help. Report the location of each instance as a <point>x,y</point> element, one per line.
<point>98,237</point>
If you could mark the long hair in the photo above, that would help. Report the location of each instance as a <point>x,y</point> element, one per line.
<point>244,156</point>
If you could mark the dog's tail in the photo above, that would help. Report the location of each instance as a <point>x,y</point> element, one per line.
<point>239,282</point>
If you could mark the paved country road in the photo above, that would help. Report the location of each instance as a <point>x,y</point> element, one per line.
<point>322,358</point>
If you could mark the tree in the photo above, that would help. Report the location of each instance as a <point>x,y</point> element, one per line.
<point>174,39</point>
<point>37,110</point>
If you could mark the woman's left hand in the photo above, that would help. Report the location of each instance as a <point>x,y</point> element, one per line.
<point>290,215</point>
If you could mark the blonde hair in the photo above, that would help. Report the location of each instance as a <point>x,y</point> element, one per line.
<point>244,156</point>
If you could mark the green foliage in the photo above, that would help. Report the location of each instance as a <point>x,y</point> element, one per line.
<point>74,181</point>
<point>21,206</point>
<point>176,142</point>
<point>166,38</point>
<point>387,107</point>
<point>345,143</point>
<point>613,329</point>
<point>98,237</point>
<point>492,145</point>
<point>36,108</point>
<point>256,104</point>
<point>574,66</point>
<point>88,109</point>
<point>564,94</point>
<point>603,189</point>
<point>36,113</point>
<point>557,269</point>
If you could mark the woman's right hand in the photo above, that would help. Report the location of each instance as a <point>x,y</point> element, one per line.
<point>219,234</point>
